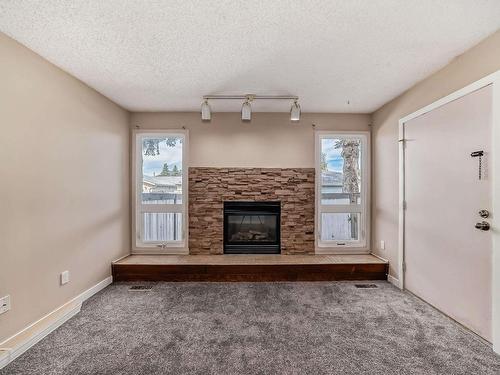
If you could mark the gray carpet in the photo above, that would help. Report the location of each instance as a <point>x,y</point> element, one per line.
<point>258,328</point>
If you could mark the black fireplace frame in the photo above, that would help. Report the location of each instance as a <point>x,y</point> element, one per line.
<point>272,208</point>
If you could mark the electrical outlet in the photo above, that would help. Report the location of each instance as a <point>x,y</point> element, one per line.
<point>64,277</point>
<point>4,304</point>
<point>382,245</point>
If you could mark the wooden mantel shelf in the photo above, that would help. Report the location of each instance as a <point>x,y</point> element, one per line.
<point>249,268</point>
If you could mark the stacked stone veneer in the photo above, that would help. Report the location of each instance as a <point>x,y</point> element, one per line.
<point>210,187</point>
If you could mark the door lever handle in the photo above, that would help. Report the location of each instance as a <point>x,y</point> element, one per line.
<point>483,225</point>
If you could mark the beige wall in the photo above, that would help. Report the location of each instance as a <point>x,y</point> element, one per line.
<point>64,167</point>
<point>476,63</point>
<point>269,140</point>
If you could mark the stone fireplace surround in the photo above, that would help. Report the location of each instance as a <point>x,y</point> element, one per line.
<point>210,187</point>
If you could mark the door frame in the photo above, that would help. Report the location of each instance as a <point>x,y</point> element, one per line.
<point>494,80</point>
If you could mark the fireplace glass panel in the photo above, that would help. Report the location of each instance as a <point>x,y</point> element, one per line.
<point>252,228</point>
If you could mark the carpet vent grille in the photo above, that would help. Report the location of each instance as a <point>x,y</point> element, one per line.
<point>140,288</point>
<point>366,286</point>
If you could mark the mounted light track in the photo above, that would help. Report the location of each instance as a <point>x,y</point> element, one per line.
<point>246,108</point>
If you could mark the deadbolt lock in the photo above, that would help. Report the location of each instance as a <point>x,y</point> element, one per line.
<point>483,225</point>
<point>484,213</point>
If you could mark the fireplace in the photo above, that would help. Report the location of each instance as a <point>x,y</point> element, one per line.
<point>252,227</point>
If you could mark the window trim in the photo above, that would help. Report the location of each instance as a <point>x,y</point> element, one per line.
<point>171,247</point>
<point>361,246</point>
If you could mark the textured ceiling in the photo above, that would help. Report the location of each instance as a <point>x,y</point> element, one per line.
<point>338,56</point>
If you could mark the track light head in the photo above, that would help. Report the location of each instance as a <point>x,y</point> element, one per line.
<point>246,109</point>
<point>206,112</point>
<point>295,111</point>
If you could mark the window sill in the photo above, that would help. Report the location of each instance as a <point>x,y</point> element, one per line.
<point>157,250</point>
<point>341,250</point>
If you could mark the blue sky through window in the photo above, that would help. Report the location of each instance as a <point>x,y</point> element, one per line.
<point>334,160</point>
<point>153,165</point>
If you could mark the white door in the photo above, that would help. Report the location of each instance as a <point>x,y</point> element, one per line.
<point>448,260</point>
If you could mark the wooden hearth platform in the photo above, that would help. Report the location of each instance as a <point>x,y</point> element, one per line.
<point>249,268</point>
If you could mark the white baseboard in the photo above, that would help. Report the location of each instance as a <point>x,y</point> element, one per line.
<point>379,257</point>
<point>93,290</point>
<point>20,342</point>
<point>33,338</point>
<point>4,358</point>
<point>394,281</point>
<point>122,257</point>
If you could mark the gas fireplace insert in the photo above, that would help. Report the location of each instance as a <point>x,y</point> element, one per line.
<point>252,227</point>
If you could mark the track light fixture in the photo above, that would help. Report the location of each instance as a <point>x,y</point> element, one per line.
<point>295,111</point>
<point>206,112</point>
<point>246,108</point>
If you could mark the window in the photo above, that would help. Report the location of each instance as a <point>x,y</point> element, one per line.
<point>342,190</point>
<point>160,190</point>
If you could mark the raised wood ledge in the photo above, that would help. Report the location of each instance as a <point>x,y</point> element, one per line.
<point>249,268</point>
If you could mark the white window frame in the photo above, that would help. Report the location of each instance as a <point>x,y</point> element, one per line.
<point>158,247</point>
<point>362,245</point>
